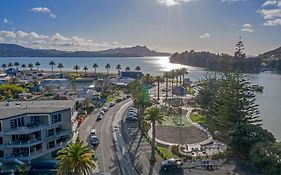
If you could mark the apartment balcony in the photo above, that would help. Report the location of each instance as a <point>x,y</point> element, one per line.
<point>59,134</point>
<point>28,128</point>
<point>36,154</point>
<point>25,143</point>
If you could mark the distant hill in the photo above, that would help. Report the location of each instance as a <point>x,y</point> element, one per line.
<point>272,59</point>
<point>13,50</point>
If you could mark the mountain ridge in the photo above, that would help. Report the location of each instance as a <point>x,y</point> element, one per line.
<point>14,50</point>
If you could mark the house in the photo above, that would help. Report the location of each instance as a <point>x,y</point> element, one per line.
<point>31,130</point>
<point>131,74</point>
<point>179,90</point>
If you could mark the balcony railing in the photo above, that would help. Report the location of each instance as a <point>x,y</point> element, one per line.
<point>23,143</point>
<point>28,128</point>
<point>38,153</point>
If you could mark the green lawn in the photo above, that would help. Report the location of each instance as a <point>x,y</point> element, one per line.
<point>166,152</point>
<point>171,121</point>
<point>198,118</point>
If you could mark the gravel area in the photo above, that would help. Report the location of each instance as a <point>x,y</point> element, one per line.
<point>188,135</point>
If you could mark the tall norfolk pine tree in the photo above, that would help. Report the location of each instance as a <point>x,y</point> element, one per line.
<point>228,100</point>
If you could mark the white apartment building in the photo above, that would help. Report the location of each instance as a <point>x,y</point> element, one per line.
<point>32,130</point>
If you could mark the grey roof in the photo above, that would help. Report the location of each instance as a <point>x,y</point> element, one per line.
<point>14,108</point>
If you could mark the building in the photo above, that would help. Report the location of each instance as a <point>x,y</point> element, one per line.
<point>32,130</point>
<point>131,74</point>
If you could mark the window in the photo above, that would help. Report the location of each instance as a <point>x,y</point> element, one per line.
<point>56,118</point>
<point>0,126</point>
<point>1,153</point>
<point>51,145</point>
<point>1,141</point>
<point>50,132</point>
<point>14,123</point>
<point>34,119</point>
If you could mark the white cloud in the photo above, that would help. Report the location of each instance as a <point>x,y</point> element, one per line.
<point>276,22</point>
<point>272,15</point>
<point>230,1</point>
<point>41,10</point>
<point>6,21</point>
<point>205,36</point>
<point>247,28</point>
<point>2,40</point>
<point>269,3</point>
<point>55,41</point>
<point>44,10</point>
<point>169,3</point>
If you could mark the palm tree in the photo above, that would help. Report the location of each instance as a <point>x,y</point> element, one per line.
<point>166,76</point>
<point>138,68</point>
<point>184,72</point>
<point>159,80</point>
<point>107,67</point>
<point>10,65</point>
<point>4,66</point>
<point>147,79</point>
<point>85,68</point>
<point>52,64</point>
<point>76,158</point>
<point>17,64</point>
<point>60,66</point>
<point>37,64</point>
<point>95,66</point>
<point>127,69</point>
<point>172,76</point>
<point>153,115</point>
<point>76,68</point>
<point>178,74</point>
<point>118,67</point>
<point>30,66</point>
<point>23,66</point>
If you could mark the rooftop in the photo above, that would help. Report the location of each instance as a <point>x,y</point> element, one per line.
<point>14,108</point>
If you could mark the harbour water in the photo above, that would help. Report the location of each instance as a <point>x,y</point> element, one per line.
<point>269,100</point>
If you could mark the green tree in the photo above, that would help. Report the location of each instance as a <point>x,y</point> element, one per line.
<point>138,68</point>
<point>30,66</point>
<point>23,66</point>
<point>153,115</point>
<point>4,66</point>
<point>85,68</point>
<point>76,68</point>
<point>10,65</point>
<point>17,64</point>
<point>52,64</point>
<point>267,156</point>
<point>76,159</point>
<point>37,64</point>
<point>107,67</point>
<point>244,136</point>
<point>127,69</point>
<point>148,79</point>
<point>183,72</point>
<point>118,67</point>
<point>166,76</point>
<point>60,66</point>
<point>95,66</point>
<point>159,80</point>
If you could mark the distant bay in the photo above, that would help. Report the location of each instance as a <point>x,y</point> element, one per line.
<point>269,100</point>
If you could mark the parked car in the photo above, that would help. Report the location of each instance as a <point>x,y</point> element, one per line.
<point>133,113</point>
<point>119,100</point>
<point>95,141</point>
<point>129,96</point>
<point>124,97</point>
<point>131,118</point>
<point>93,132</point>
<point>170,164</point>
<point>111,104</point>
<point>99,117</point>
<point>104,109</point>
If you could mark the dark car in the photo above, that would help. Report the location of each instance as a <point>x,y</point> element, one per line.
<point>95,141</point>
<point>119,100</point>
<point>170,164</point>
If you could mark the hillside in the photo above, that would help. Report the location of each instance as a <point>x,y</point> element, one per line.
<point>13,50</point>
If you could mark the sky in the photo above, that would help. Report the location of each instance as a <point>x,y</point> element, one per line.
<point>162,25</point>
